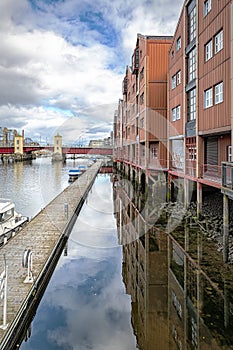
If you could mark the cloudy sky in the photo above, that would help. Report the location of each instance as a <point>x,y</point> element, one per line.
<point>62,62</point>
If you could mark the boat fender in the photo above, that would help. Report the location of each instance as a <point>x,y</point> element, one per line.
<point>26,257</point>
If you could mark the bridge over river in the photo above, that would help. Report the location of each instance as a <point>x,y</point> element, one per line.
<point>65,150</point>
<point>20,151</point>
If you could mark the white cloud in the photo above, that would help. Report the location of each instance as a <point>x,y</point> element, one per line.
<point>70,55</point>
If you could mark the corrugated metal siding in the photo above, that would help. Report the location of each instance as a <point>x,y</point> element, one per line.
<point>157,125</point>
<point>217,69</point>
<point>178,33</point>
<point>224,142</point>
<point>200,156</point>
<point>158,95</point>
<point>163,154</point>
<point>212,150</point>
<point>216,8</point>
<point>217,115</point>
<point>176,95</point>
<point>222,21</point>
<point>175,128</point>
<point>157,61</point>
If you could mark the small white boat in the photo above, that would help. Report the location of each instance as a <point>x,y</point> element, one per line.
<point>10,220</point>
<point>82,168</point>
<point>74,174</point>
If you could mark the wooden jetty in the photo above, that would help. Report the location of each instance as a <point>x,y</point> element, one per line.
<point>44,237</point>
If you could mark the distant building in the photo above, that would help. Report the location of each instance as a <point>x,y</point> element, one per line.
<point>7,136</point>
<point>106,142</point>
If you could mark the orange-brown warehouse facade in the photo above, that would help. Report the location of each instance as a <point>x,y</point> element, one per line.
<point>175,117</point>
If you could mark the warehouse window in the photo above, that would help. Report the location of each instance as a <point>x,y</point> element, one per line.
<point>218,98</point>
<point>208,98</point>
<point>218,41</point>
<point>208,50</point>
<point>207,7</point>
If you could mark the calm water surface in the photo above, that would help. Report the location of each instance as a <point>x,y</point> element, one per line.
<point>85,305</point>
<point>122,282</point>
<point>31,185</point>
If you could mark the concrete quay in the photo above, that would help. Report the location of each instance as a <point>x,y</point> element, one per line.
<point>44,237</point>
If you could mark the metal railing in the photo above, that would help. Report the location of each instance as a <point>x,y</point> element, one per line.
<point>191,169</point>
<point>227,175</point>
<point>177,165</point>
<point>212,172</point>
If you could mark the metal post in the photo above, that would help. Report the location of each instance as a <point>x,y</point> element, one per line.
<point>4,325</point>
<point>66,210</point>
<point>27,263</point>
<point>223,175</point>
<point>30,267</point>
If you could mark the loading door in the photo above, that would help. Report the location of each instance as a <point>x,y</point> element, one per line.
<point>212,154</point>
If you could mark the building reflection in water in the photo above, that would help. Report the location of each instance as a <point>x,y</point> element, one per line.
<point>181,290</point>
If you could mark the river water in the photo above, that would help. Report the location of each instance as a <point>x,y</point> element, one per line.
<point>85,305</point>
<point>122,283</point>
<point>33,184</point>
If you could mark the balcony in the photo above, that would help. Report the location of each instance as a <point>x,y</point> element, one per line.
<point>227,178</point>
<point>177,165</point>
<point>135,61</point>
<point>125,86</point>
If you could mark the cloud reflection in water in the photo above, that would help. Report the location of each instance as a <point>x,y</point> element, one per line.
<point>85,305</point>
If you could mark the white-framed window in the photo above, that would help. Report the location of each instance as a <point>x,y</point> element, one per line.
<point>154,152</point>
<point>192,64</point>
<point>192,24</point>
<point>176,113</point>
<point>208,50</point>
<point>192,153</point>
<point>218,98</point>
<point>192,104</point>
<point>178,44</point>
<point>178,78</point>
<point>173,81</point>
<point>207,7</point>
<point>218,42</point>
<point>208,98</point>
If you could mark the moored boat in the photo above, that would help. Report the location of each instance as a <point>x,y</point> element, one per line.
<point>74,174</point>
<point>82,168</point>
<point>10,220</point>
